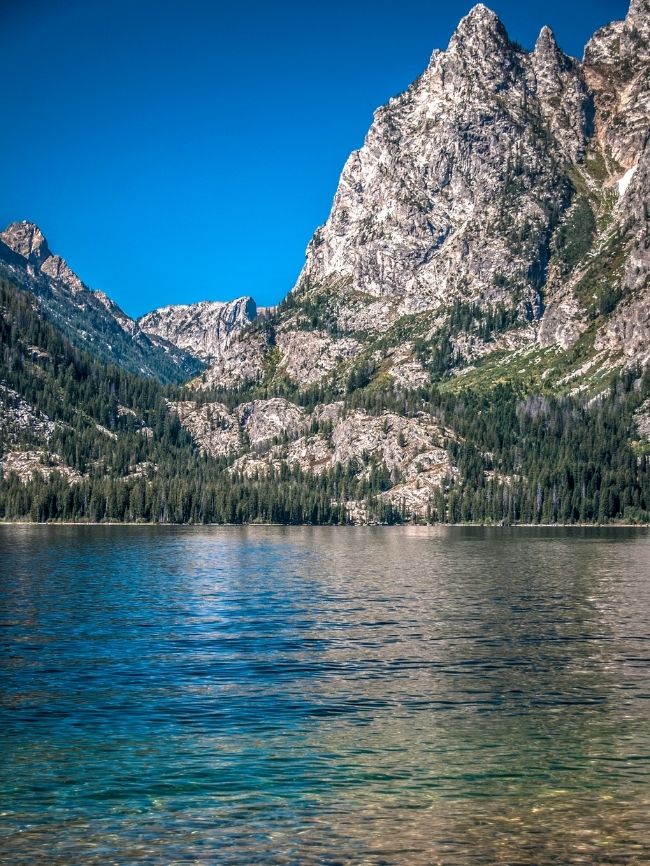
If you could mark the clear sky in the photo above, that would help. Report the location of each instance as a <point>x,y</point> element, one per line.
<point>182,150</point>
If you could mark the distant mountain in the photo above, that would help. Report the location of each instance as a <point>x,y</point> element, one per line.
<point>204,329</point>
<point>89,319</point>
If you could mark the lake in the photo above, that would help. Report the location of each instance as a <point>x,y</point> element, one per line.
<point>272,695</point>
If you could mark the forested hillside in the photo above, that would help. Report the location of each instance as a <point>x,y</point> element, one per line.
<point>81,440</point>
<point>101,443</point>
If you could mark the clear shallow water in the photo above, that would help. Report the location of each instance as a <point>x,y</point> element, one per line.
<point>324,696</point>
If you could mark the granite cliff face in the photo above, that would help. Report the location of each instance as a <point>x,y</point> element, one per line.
<point>616,72</point>
<point>265,435</point>
<point>499,204</point>
<point>607,291</point>
<point>204,329</point>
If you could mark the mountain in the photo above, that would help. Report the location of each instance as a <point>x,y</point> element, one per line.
<point>89,319</point>
<point>497,207</point>
<point>491,233</point>
<point>468,339</point>
<point>82,440</point>
<point>459,184</point>
<point>204,329</point>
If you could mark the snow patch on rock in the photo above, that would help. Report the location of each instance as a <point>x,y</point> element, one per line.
<point>624,181</point>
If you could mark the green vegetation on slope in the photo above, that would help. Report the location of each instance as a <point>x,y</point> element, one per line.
<point>522,455</point>
<point>138,463</point>
<point>535,458</point>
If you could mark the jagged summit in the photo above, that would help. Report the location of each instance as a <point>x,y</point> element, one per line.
<point>620,38</point>
<point>549,61</point>
<point>638,17</point>
<point>480,17</point>
<point>546,43</point>
<point>419,218</point>
<point>26,239</point>
<point>202,305</point>
<point>616,61</point>
<point>171,343</point>
<point>89,319</point>
<point>480,28</point>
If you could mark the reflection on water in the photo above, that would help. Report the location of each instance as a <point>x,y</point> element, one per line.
<point>324,696</point>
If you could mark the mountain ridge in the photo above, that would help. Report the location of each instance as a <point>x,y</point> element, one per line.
<point>490,182</point>
<point>203,329</point>
<point>141,345</point>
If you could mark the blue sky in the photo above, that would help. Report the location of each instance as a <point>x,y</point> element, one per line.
<point>181,151</point>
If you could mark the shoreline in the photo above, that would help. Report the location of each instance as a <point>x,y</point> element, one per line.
<point>114,523</point>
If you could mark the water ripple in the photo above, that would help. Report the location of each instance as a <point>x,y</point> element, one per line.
<point>324,696</point>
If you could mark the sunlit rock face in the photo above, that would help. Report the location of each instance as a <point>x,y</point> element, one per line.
<point>466,182</point>
<point>616,71</point>
<point>204,329</point>
<point>26,464</point>
<point>308,356</point>
<point>263,420</point>
<point>268,434</point>
<point>28,241</point>
<point>459,183</point>
<point>626,332</point>
<point>617,67</point>
<point>241,361</point>
<point>215,430</point>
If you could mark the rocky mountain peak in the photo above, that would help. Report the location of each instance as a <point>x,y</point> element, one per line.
<point>479,22</point>
<point>616,70</point>
<point>26,239</point>
<point>546,45</point>
<point>563,100</point>
<point>89,319</point>
<point>550,64</point>
<point>452,176</point>
<point>203,329</point>
<point>480,39</point>
<point>619,39</point>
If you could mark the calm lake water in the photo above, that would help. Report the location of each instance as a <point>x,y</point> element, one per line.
<point>324,696</point>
